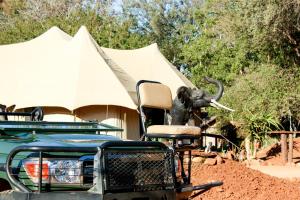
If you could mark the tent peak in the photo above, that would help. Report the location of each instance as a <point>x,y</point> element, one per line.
<point>82,33</point>
<point>82,30</point>
<point>54,28</point>
<point>83,27</point>
<point>52,34</point>
<point>153,45</point>
<point>55,32</point>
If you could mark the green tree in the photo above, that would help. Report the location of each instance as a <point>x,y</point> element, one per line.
<point>167,22</point>
<point>261,98</point>
<point>31,18</point>
<point>252,46</point>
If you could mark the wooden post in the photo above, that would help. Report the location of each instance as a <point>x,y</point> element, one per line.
<point>283,134</point>
<point>284,147</point>
<point>248,149</point>
<point>201,141</point>
<point>216,143</point>
<point>290,156</point>
<point>254,148</point>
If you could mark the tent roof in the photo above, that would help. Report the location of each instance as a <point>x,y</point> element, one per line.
<point>148,63</point>
<point>57,70</point>
<point>97,83</point>
<point>68,73</point>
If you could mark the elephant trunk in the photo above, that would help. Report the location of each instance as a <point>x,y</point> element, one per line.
<point>220,87</point>
<point>211,100</point>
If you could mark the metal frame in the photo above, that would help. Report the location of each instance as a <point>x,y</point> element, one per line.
<point>173,137</point>
<point>25,114</point>
<point>42,126</point>
<point>113,145</point>
<point>140,108</point>
<point>41,149</point>
<point>178,149</point>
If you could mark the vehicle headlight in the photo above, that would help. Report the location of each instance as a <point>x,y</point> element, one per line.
<point>54,171</point>
<point>66,171</point>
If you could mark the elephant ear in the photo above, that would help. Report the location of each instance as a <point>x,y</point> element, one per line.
<point>184,96</point>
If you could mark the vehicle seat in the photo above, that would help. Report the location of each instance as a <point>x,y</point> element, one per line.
<point>156,96</point>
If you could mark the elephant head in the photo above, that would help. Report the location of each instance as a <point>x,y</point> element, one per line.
<point>198,98</point>
<point>189,100</point>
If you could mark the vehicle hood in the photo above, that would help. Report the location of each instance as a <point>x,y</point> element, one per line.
<point>60,140</point>
<point>72,140</point>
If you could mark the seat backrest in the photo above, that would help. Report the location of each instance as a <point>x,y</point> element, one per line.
<point>155,100</point>
<point>155,95</point>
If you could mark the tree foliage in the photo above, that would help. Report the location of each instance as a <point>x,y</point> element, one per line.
<point>28,19</point>
<point>252,46</point>
<point>262,96</point>
<point>166,22</point>
<point>238,34</point>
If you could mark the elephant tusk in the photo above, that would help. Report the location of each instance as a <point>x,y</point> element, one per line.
<point>215,103</point>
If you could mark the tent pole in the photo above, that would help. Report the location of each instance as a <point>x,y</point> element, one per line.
<point>125,126</point>
<point>106,111</point>
<point>74,114</point>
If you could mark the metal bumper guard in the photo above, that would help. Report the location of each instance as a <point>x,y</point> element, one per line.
<point>21,192</point>
<point>153,195</point>
<point>168,190</point>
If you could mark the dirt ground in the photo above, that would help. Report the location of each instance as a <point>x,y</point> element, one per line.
<point>241,182</point>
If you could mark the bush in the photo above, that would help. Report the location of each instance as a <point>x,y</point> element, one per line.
<point>260,98</point>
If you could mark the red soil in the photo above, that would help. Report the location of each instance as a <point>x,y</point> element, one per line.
<point>240,182</point>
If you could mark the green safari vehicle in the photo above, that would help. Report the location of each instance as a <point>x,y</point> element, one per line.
<point>66,160</point>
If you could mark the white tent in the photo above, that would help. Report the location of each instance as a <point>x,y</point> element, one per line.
<point>73,75</point>
<point>70,74</point>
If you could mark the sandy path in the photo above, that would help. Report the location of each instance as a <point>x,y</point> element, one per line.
<point>279,171</point>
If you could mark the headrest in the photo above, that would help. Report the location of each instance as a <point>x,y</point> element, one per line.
<point>155,95</point>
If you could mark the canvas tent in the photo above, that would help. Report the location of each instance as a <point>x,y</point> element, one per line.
<point>73,75</point>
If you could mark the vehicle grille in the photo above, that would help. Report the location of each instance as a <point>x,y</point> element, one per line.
<point>138,171</point>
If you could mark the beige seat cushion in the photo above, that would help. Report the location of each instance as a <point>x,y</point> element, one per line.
<point>155,95</point>
<point>173,129</point>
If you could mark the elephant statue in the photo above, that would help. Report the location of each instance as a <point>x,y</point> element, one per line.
<point>188,101</point>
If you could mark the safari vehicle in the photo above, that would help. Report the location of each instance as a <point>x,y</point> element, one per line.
<point>66,160</point>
